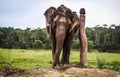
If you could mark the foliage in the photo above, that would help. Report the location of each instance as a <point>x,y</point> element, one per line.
<point>75,44</point>
<point>23,39</point>
<point>37,44</point>
<point>103,38</point>
<point>100,63</point>
<point>90,45</point>
<point>116,65</point>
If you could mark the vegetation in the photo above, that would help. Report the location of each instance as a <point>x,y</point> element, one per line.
<point>23,39</point>
<point>16,41</point>
<point>100,63</point>
<point>28,59</point>
<point>25,59</point>
<point>102,38</point>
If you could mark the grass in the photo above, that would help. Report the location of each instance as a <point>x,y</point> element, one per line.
<point>25,59</point>
<point>28,59</point>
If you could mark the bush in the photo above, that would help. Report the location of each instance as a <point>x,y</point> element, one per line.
<point>100,63</point>
<point>37,44</point>
<point>22,45</point>
<point>116,65</point>
<point>46,46</point>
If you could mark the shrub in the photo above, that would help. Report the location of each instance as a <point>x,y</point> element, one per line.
<point>100,63</point>
<point>37,44</point>
<point>116,66</point>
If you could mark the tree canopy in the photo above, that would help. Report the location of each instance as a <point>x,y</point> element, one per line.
<point>103,38</point>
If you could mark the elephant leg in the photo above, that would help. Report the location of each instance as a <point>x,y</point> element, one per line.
<point>53,44</point>
<point>66,49</point>
<point>53,41</point>
<point>60,36</point>
<point>67,46</point>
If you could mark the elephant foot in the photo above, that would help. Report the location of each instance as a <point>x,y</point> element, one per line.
<point>56,66</point>
<point>65,65</point>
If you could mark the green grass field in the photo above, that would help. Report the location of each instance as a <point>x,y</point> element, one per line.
<point>29,59</point>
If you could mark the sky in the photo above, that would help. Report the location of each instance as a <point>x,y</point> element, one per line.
<point>29,13</point>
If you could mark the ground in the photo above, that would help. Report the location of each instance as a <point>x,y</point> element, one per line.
<point>49,72</point>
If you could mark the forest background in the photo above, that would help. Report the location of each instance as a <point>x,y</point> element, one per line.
<point>104,38</point>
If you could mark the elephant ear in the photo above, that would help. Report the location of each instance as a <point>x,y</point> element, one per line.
<point>75,22</point>
<point>50,13</point>
<point>50,10</point>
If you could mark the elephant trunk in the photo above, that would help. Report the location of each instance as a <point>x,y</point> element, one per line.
<point>60,37</point>
<point>83,40</point>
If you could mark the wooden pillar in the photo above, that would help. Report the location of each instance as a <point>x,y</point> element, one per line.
<point>83,39</point>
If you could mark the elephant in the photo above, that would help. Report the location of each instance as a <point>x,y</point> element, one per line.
<point>61,25</point>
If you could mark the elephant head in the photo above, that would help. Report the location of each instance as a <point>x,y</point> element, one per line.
<point>63,15</point>
<point>49,15</point>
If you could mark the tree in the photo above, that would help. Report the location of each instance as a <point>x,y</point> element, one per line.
<point>104,38</point>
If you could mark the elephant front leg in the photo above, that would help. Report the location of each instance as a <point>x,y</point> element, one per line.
<point>65,54</point>
<point>53,45</point>
<point>52,40</point>
<point>66,50</point>
<point>60,36</point>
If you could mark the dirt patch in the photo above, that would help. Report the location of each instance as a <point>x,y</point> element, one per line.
<point>91,72</point>
<point>49,72</point>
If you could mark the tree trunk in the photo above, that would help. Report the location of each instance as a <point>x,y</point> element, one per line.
<point>83,40</point>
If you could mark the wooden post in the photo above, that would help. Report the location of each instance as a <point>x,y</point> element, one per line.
<point>83,39</point>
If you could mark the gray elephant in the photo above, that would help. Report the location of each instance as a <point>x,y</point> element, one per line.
<point>61,24</point>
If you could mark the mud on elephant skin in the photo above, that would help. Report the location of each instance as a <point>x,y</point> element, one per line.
<point>62,24</point>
